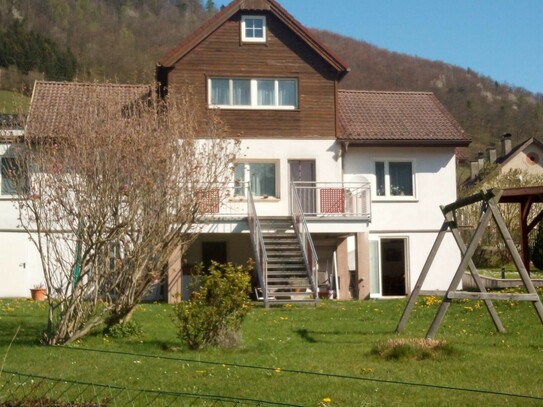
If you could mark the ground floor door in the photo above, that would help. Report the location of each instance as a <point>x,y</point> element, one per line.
<point>213,251</point>
<point>393,266</point>
<point>303,173</point>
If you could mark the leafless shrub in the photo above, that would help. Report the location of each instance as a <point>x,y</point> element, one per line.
<point>115,189</point>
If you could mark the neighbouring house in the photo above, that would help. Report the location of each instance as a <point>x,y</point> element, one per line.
<point>526,157</point>
<point>335,189</point>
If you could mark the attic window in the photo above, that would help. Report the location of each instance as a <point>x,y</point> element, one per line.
<point>253,28</point>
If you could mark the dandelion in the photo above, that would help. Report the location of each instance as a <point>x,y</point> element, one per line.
<point>327,400</point>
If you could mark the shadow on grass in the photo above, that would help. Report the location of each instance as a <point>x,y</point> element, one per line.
<point>29,333</point>
<point>315,336</point>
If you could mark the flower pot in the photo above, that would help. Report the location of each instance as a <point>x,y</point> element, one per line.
<point>38,294</point>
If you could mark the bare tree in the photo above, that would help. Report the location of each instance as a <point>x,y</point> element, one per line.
<point>115,188</point>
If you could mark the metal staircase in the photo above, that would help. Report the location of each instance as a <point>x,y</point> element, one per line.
<point>289,279</point>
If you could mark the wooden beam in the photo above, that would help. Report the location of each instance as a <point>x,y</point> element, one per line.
<point>418,286</point>
<point>535,221</point>
<point>473,270</point>
<point>474,243</point>
<point>516,257</point>
<point>464,295</point>
<point>460,203</point>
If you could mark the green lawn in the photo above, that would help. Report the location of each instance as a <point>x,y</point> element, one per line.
<point>11,102</point>
<point>510,273</point>
<point>304,355</point>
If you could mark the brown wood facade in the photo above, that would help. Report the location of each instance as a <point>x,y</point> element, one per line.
<point>284,55</point>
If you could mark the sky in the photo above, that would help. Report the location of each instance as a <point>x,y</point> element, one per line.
<point>502,39</point>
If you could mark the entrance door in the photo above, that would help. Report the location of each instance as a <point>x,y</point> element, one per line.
<point>303,173</point>
<point>393,266</point>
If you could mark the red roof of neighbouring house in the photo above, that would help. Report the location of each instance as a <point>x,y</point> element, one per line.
<point>52,101</point>
<point>396,118</point>
<point>222,16</point>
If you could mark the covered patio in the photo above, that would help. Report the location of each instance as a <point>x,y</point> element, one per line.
<point>526,197</point>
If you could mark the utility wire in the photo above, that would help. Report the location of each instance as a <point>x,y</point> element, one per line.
<point>333,375</point>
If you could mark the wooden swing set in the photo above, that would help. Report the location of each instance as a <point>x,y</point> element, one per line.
<point>489,209</point>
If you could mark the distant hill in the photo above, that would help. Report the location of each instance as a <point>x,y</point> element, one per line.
<point>121,40</point>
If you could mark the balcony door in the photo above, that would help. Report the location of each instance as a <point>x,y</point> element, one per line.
<point>303,173</point>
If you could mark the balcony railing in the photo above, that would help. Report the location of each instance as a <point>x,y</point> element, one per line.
<point>334,199</point>
<point>317,199</point>
<point>225,200</point>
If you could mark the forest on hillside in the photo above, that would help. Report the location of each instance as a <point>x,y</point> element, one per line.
<point>121,41</point>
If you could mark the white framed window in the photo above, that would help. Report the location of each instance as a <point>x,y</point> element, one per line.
<point>253,29</point>
<point>9,172</point>
<point>245,93</point>
<point>394,179</point>
<point>262,177</point>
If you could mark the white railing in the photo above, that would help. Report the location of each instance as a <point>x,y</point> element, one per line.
<point>225,200</point>
<point>334,199</point>
<point>261,257</point>
<point>310,254</point>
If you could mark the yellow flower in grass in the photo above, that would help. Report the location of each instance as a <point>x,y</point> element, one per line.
<point>327,400</point>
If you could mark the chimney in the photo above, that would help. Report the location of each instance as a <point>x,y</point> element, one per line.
<point>474,166</point>
<point>491,154</point>
<point>481,159</point>
<point>506,144</point>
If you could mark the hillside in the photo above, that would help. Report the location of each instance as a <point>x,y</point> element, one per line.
<point>121,40</point>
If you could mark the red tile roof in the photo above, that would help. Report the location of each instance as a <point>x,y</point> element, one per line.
<point>396,118</point>
<point>53,103</point>
<point>222,16</point>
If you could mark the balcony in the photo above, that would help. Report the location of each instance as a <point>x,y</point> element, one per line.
<point>333,200</point>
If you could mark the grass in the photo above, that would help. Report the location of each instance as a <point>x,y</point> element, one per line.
<point>303,355</point>
<point>510,272</point>
<point>12,102</point>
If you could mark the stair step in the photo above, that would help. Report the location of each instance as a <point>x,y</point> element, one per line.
<point>278,268</point>
<point>291,294</point>
<point>284,286</point>
<point>280,278</point>
<point>287,275</point>
<point>285,260</point>
<point>283,239</point>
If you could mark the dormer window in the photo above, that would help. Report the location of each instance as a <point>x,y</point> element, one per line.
<point>253,28</point>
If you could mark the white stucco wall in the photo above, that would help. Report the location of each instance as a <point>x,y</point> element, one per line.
<point>419,218</point>
<point>20,268</point>
<point>325,153</point>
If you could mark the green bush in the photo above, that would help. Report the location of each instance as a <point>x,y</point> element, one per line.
<point>219,302</point>
<point>127,329</point>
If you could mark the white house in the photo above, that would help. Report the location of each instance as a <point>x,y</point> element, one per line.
<point>335,189</point>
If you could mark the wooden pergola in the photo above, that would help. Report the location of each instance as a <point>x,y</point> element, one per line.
<point>526,197</point>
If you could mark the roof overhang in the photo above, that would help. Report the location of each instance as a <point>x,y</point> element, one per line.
<point>405,143</point>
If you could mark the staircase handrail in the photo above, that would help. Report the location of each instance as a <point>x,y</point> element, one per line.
<point>300,226</point>
<point>261,257</point>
